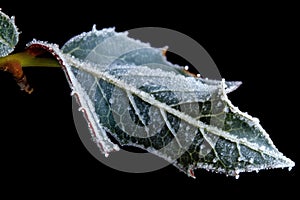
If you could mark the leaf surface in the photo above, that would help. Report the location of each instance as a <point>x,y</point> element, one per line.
<point>9,35</point>
<point>128,90</point>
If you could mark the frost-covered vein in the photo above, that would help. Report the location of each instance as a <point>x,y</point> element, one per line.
<point>73,50</point>
<point>163,75</point>
<point>112,58</point>
<point>87,67</point>
<point>239,150</point>
<point>92,86</point>
<point>164,115</point>
<point>101,90</point>
<point>211,144</point>
<point>208,115</point>
<point>137,111</point>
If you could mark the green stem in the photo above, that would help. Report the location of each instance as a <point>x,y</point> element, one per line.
<point>27,60</point>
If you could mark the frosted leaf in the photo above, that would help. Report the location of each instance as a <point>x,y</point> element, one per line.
<point>9,35</point>
<point>129,90</point>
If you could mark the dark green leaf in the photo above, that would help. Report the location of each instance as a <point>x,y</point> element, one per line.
<point>129,90</point>
<point>9,34</point>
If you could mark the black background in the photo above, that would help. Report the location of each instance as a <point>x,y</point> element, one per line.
<point>41,150</point>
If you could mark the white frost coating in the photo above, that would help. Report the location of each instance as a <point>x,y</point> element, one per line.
<point>94,29</point>
<point>151,100</point>
<point>251,160</point>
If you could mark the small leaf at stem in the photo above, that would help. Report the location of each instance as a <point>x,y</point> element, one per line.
<point>9,35</point>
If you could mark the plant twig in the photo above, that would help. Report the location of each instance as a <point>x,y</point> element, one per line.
<point>13,64</point>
